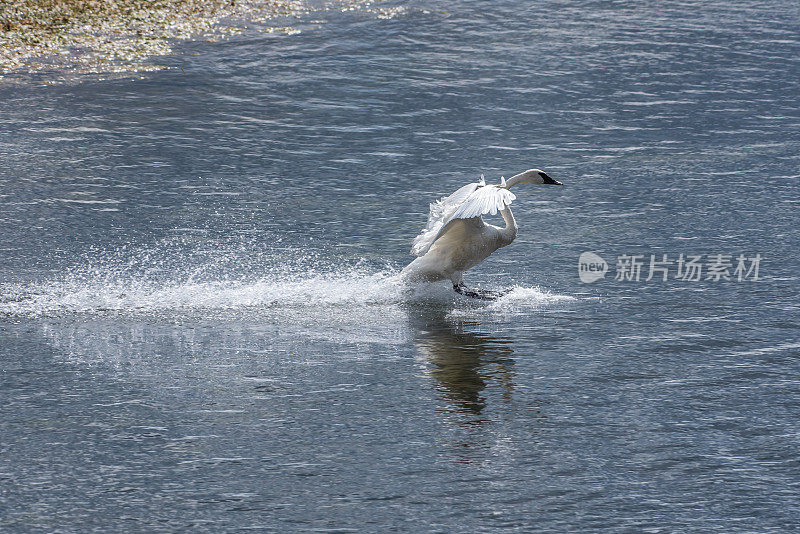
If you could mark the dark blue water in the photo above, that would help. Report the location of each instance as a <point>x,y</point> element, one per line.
<point>200,327</point>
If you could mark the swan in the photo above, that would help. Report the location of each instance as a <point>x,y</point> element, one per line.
<point>456,238</point>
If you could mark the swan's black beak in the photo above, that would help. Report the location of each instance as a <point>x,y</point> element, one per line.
<point>547,180</point>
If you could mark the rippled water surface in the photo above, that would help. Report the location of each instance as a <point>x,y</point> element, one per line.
<point>201,328</point>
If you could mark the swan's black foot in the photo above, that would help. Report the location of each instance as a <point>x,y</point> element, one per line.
<point>483,294</point>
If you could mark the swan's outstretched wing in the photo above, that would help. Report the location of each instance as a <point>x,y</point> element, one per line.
<point>444,206</point>
<point>469,202</point>
<point>440,210</point>
<point>487,199</point>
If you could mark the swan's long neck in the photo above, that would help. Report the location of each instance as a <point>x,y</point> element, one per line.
<point>510,231</point>
<point>514,180</point>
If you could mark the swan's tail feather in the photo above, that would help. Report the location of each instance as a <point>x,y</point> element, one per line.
<point>424,241</point>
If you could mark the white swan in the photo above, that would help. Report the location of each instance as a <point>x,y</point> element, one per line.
<point>456,238</point>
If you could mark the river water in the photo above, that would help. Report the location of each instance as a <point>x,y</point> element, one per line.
<point>200,328</point>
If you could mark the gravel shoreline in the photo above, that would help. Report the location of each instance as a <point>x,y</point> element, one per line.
<point>105,36</point>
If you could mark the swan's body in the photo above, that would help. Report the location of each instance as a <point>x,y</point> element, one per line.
<point>456,238</point>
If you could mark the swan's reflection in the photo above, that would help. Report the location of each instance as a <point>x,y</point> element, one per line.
<point>464,360</point>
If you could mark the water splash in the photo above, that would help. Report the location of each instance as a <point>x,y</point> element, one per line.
<point>76,295</point>
<point>164,280</point>
<point>517,300</point>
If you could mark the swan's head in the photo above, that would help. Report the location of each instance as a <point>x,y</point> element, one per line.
<point>535,176</point>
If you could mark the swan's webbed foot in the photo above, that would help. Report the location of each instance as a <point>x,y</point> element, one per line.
<point>482,294</point>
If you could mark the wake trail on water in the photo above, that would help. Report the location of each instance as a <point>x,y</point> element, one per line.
<point>164,282</point>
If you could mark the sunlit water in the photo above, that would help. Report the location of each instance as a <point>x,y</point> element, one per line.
<point>201,325</point>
